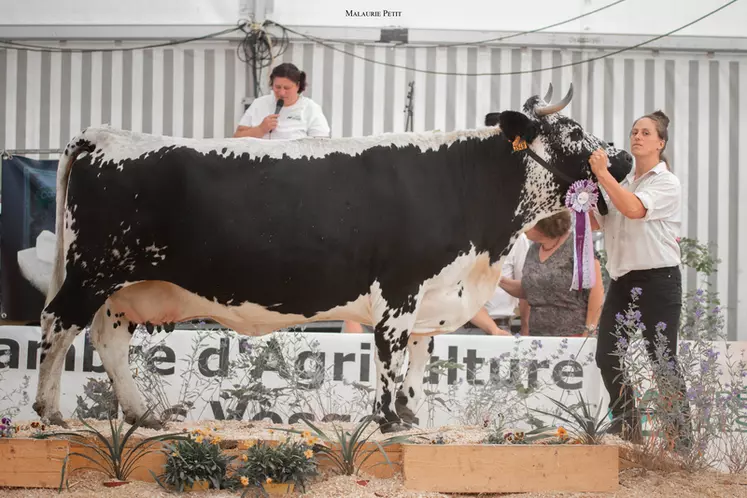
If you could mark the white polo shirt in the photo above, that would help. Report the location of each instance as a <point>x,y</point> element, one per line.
<point>649,242</point>
<point>503,304</point>
<point>302,119</point>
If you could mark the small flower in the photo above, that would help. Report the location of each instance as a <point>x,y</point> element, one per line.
<point>244,481</point>
<point>244,458</point>
<point>311,441</point>
<point>661,327</point>
<point>268,480</point>
<point>562,433</point>
<point>216,440</point>
<point>306,434</point>
<point>175,454</point>
<point>199,439</point>
<point>636,292</point>
<point>308,453</point>
<point>5,421</point>
<point>34,425</point>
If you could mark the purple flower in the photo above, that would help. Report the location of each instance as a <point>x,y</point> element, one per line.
<point>5,421</point>
<point>619,317</point>
<point>623,342</point>
<point>699,292</point>
<point>661,327</point>
<point>636,292</point>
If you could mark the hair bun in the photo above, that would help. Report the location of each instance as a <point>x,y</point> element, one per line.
<point>661,117</point>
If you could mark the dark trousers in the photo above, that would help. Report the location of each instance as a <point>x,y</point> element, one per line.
<point>660,301</point>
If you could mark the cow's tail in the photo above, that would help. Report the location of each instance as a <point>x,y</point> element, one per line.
<point>76,146</point>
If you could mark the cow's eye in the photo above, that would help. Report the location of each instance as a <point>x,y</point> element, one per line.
<point>577,135</point>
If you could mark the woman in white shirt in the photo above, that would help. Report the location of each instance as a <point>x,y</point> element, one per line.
<point>640,236</point>
<point>299,116</point>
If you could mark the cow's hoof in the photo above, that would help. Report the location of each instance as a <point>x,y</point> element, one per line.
<point>404,412</point>
<point>390,427</point>
<point>145,423</point>
<point>55,419</point>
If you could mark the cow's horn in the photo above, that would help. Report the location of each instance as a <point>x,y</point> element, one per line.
<point>548,95</point>
<point>551,109</point>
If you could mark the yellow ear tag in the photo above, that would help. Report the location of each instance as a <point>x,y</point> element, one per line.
<point>519,144</point>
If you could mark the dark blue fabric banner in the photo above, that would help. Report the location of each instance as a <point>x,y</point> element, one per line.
<point>28,207</point>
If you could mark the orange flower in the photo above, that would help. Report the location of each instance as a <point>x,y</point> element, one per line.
<point>562,433</point>
<point>244,458</point>
<point>216,440</point>
<point>308,453</point>
<point>268,480</point>
<point>306,434</point>
<point>244,481</point>
<point>199,439</point>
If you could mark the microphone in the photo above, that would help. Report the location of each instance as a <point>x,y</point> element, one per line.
<point>278,106</point>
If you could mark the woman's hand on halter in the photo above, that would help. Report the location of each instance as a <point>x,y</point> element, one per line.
<point>599,162</point>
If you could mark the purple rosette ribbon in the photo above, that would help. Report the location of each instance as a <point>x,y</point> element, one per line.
<point>582,196</point>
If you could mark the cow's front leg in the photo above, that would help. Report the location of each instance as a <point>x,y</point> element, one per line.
<point>110,334</point>
<point>391,345</point>
<point>420,349</point>
<point>55,343</point>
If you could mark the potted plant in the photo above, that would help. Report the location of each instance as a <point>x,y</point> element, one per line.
<point>111,455</point>
<point>277,469</point>
<point>195,463</point>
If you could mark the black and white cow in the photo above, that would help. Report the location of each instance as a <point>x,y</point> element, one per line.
<point>405,232</point>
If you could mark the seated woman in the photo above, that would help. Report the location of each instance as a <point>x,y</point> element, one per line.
<point>555,309</point>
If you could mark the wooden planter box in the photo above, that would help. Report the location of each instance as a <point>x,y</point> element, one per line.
<point>31,463</point>
<point>37,463</point>
<point>510,468</point>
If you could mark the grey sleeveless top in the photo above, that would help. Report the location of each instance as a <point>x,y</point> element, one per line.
<point>556,310</point>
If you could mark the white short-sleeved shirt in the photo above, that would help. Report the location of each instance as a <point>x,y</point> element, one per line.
<point>302,119</point>
<point>649,242</point>
<point>502,304</point>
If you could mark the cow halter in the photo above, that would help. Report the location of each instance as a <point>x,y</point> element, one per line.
<point>519,144</point>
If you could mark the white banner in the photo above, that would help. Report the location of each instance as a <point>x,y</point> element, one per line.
<point>213,374</point>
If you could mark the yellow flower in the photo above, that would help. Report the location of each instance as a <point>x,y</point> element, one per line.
<point>268,480</point>
<point>308,453</point>
<point>244,481</point>
<point>270,431</point>
<point>199,439</point>
<point>175,454</point>
<point>244,458</point>
<point>216,440</point>
<point>306,434</point>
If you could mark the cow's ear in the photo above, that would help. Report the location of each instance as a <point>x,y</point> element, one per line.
<point>516,124</point>
<point>492,118</point>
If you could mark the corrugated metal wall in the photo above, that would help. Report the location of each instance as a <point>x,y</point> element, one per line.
<point>196,91</point>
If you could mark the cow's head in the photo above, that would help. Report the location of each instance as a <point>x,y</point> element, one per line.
<point>557,143</point>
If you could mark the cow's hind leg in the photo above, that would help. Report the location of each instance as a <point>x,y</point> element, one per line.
<point>420,349</point>
<point>391,345</point>
<point>56,341</point>
<point>110,335</point>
